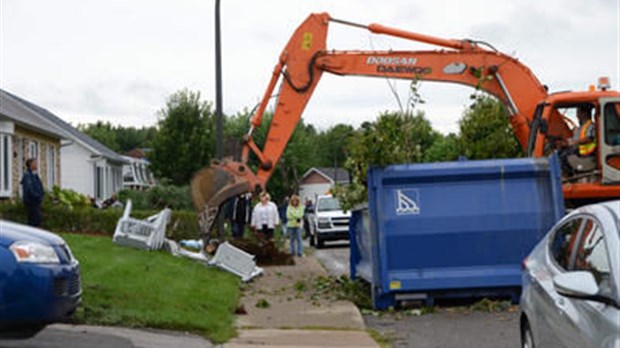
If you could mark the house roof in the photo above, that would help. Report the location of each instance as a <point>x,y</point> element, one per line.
<point>65,128</point>
<point>12,107</point>
<point>335,175</point>
<point>137,152</point>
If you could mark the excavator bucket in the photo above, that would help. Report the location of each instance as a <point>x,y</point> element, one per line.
<point>212,186</point>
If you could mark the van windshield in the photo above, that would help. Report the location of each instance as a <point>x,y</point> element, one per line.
<point>328,204</point>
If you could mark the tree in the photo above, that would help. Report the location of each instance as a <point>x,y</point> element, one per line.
<point>485,132</point>
<point>444,148</point>
<point>118,138</point>
<point>394,138</point>
<point>331,145</point>
<point>300,154</point>
<point>131,137</point>
<point>103,132</point>
<point>186,138</point>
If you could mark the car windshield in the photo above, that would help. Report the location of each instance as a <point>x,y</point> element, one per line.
<point>328,204</point>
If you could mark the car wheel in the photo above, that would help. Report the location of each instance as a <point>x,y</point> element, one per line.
<point>527,339</point>
<point>22,333</point>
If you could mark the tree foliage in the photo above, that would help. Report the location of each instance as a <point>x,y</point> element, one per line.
<point>300,154</point>
<point>394,138</point>
<point>444,148</point>
<point>485,132</point>
<point>118,138</point>
<point>185,139</point>
<point>332,145</point>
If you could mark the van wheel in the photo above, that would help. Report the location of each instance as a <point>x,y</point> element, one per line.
<point>319,243</point>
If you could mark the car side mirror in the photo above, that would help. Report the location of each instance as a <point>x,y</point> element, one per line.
<point>576,284</point>
<point>581,285</point>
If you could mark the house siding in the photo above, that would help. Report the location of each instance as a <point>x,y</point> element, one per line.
<point>310,191</point>
<point>78,169</point>
<point>315,178</point>
<point>21,139</point>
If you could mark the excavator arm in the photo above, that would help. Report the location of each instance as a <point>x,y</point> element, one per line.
<point>300,67</point>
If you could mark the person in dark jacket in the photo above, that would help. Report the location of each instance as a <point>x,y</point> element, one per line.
<point>241,213</point>
<point>33,193</point>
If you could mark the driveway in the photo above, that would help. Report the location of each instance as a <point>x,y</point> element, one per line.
<point>448,326</point>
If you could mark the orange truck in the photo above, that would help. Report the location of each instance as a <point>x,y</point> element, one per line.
<point>540,120</point>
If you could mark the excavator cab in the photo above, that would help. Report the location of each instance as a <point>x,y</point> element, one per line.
<point>555,121</point>
<point>609,143</point>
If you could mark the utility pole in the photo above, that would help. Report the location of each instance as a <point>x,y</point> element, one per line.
<point>218,107</point>
<point>218,84</point>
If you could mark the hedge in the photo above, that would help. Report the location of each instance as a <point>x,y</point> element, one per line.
<point>183,224</point>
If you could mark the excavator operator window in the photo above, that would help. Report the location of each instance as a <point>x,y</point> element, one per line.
<point>612,124</point>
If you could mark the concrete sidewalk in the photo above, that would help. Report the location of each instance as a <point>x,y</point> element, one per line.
<point>282,312</point>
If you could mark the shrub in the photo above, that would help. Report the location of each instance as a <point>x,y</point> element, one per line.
<point>66,197</point>
<point>59,218</point>
<point>159,197</point>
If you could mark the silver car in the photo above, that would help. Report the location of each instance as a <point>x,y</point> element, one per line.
<point>571,282</point>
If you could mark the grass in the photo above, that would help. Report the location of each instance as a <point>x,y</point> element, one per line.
<point>135,288</point>
<point>383,340</point>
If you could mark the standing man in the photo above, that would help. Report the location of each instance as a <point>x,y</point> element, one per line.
<point>240,214</point>
<point>306,220</point>
<point>33,193</point>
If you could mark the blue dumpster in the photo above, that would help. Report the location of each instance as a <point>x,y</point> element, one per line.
<point>452,229</point>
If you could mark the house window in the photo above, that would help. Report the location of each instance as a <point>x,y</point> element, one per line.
<point>33,149</point>
<point>51,166</point>
<point>6,172</point>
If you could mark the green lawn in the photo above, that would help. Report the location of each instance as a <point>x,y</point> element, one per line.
<point>136,288</point>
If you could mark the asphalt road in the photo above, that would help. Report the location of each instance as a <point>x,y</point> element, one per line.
<point>449,326</point>
<point>80,336</point>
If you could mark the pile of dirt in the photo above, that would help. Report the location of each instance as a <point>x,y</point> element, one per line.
<point>265,251</point>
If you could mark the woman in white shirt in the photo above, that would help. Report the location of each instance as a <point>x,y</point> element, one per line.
<point>265,216</point>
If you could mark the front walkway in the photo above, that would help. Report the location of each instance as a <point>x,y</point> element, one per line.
<point>283,311</point>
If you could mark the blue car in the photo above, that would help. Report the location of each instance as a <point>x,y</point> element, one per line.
<point>39,280</point>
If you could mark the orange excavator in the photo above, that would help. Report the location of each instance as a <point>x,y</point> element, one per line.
<point>540,120</point>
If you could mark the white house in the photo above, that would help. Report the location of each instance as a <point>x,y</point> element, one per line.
<point>319,181</point>
<point>136,173</point>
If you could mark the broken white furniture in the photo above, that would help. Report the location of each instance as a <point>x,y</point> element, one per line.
<point>148,234</point>
<point>236,261</point>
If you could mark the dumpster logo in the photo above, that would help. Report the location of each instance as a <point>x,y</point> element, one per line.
<point>407,202</point>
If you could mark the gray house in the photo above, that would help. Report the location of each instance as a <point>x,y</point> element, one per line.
<point>25,133</point>
<point>319,181</point>
<point>86,165</point>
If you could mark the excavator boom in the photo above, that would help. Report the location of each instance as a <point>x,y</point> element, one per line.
<point>305,58</point>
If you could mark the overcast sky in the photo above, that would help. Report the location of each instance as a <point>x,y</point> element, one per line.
<point>118,60</point>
